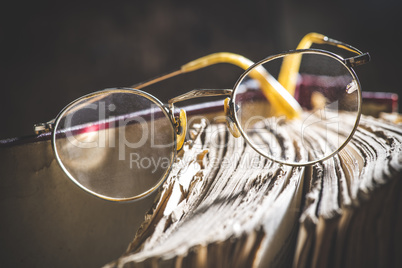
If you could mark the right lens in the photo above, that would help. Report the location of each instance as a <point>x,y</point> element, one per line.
<point>116,144</point>
<point>325,88</point>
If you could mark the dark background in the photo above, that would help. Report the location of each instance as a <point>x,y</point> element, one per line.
<point>55,52</point>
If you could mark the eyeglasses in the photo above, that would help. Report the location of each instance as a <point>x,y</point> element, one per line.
<point>120,144</point>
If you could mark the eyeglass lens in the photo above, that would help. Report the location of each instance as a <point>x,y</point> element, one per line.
<point>116,143</point>
<point>328,94</point>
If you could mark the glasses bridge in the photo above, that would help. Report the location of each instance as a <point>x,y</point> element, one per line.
<point>198,93</point>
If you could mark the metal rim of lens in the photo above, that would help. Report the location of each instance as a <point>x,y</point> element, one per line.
<point>281,55</point>
<point>105,91</point>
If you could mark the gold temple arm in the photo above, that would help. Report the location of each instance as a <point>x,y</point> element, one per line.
<point>280,99</point>
<point>291,64</point>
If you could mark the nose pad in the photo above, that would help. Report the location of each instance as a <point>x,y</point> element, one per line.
<point>181,129</point>
<point>229,121</point>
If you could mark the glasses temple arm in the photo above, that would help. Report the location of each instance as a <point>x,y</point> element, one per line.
<point>215,58</point>
<point>157,79</point>
<point>222,57</point>
<point>315,38</point>
<point>280,99</point>
<point>290,66</point>
<point>361,58</point>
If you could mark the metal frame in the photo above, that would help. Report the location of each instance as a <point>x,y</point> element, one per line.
<point>168,113</point>
<point>181,121</point>
<point>341,60</point>
<point>290,67</point>
<point>198,93</point>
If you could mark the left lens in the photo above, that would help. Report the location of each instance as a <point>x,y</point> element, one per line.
<point>325,89</point>
<point>116,144</point>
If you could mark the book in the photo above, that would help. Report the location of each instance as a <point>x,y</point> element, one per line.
<point>224,205</point>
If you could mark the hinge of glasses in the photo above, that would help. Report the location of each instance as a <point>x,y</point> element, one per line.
<point>43,127</point>
<point>357,60</point>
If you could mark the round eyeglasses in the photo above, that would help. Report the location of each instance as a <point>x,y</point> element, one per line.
<point>120,144</point>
